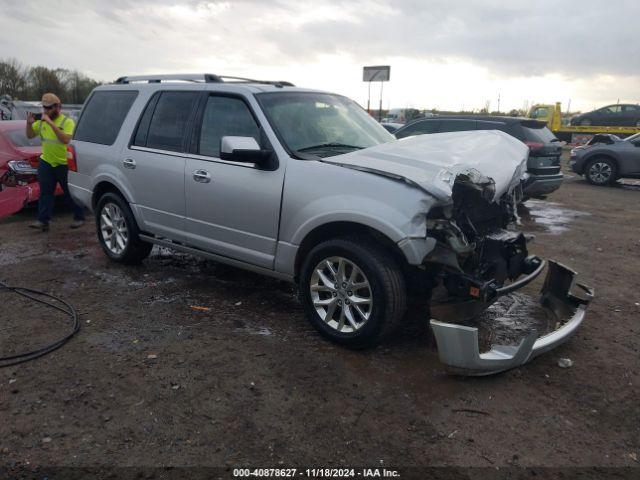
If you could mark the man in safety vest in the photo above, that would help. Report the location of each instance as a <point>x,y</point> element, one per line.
<point>55,131</point>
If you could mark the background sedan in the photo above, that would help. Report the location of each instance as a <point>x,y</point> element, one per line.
<point>622,115</point>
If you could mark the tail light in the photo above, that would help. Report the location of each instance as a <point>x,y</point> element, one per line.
<point>71,158</point>
<point>533,145</point>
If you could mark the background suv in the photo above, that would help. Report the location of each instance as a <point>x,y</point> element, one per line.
<point>543,166</point>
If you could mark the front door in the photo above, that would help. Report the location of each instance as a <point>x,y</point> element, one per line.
<point>232,209</point>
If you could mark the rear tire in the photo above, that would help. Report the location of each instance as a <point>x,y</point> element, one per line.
<point>118,231</point>
<point>601,171</point>
<point>353,291</point>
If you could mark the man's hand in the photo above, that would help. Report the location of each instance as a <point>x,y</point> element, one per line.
<point>30,118</point>
<point>46,119</point>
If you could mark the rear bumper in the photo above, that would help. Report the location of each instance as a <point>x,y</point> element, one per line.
<point>458,344</point>
<point>537,185</point>
<point>14,199</point>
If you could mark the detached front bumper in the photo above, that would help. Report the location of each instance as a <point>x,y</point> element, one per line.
<point>458,344</point>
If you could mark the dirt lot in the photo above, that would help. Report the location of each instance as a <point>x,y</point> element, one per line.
<point>152,382</point>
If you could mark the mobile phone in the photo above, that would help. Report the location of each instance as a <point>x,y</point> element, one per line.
<point>37,116</point>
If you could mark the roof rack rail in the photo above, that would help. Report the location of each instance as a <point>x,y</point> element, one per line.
<point>185,77</point>
<point>197,77</point>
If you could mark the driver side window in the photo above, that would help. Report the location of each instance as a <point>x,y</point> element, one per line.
<point>225,116</point>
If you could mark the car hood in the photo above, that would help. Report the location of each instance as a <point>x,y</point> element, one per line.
<point>432,162</point>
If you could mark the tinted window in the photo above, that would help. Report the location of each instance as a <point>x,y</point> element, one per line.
<point>480,125</point>
<point>168,125</point>
<point>457,125</point>
<point>635,139</point>
<point>543,134</point>
<point>631,108</point>
<point>225,116</point>
<point>612,109</point>
<point>103,116</point>
<point>419,128</point>
<point>143,127</point>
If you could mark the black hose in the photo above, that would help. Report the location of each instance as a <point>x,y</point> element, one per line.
<point>70,311</point>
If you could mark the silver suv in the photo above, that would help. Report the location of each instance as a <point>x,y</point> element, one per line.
<point>305,186</point>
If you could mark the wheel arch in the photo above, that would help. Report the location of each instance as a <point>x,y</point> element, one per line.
<point>338,229</point>
<point>597,155</point>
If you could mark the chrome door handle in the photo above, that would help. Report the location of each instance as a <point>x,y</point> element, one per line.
<point>202,176</point>
<point>129,163</point>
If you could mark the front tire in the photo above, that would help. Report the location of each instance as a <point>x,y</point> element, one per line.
<point>601,171</point>
<point>353,291</point>
<point>118,231</point>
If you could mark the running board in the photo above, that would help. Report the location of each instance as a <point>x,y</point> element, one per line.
<point>215,258</point>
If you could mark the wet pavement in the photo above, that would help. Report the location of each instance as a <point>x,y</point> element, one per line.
<point>182,361</point>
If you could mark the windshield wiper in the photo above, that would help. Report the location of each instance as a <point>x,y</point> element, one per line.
<point>329,145</point>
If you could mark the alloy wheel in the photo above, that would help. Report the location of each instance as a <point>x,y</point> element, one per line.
<point>114,228</point>
<point>600,172</point>
<point>341,294</point>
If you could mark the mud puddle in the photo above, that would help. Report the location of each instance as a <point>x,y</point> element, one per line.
<point>548,216</point>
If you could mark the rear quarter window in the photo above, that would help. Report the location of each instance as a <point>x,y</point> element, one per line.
<point>543,134</point>
<point>103,116</point>
<point>457,125</point>
<point>418,128</point>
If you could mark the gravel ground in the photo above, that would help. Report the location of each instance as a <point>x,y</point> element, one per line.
<point>185,363</point>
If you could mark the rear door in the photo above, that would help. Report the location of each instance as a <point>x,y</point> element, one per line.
<point>232,208</point>
<point>154,163</point>
<point>631,115</point>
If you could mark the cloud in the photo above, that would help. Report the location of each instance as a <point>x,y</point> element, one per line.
<point>580,41</point>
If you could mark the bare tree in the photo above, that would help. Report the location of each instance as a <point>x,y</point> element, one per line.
<point>13,78</point>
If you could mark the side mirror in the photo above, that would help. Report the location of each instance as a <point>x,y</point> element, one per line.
<point>245,150</point>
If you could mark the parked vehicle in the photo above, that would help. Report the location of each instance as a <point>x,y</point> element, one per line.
<point>17,110</point>
<point>360,221</point>
<point>614,115</point>
<point>607,158</point>
<point>18,167</point>
<point>558,123</point>
<point>545,150</point>
<point>392,127</point>
<point>402,115</point>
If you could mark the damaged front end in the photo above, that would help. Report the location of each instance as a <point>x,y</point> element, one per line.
<point>477,259</point>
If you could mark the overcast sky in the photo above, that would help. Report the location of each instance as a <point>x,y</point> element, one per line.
<point>446,54</point>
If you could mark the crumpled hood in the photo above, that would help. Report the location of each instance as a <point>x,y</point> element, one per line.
<point>432,162</point>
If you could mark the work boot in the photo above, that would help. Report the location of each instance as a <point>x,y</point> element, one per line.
<point>76,224</point>
<point>38,225</point>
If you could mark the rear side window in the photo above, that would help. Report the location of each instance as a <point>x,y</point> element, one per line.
<point>491,126</point>
<point>103,116</point>
<point>164,123</point>
<point>419,128</point>
<point>543,134</point>
<point>225,116</point>
<point>457,125</point>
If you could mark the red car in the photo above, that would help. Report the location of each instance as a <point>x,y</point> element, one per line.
<point>18,167</point>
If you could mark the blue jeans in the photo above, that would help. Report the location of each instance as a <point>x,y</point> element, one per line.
<point>48,177</point>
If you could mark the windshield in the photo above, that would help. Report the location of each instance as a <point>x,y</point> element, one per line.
<point>321,124</point>
<point>19,139</point>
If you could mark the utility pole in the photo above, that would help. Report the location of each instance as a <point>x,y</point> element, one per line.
<point>498,102</point>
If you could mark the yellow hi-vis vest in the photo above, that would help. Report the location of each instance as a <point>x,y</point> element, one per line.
<point>54,152</point>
